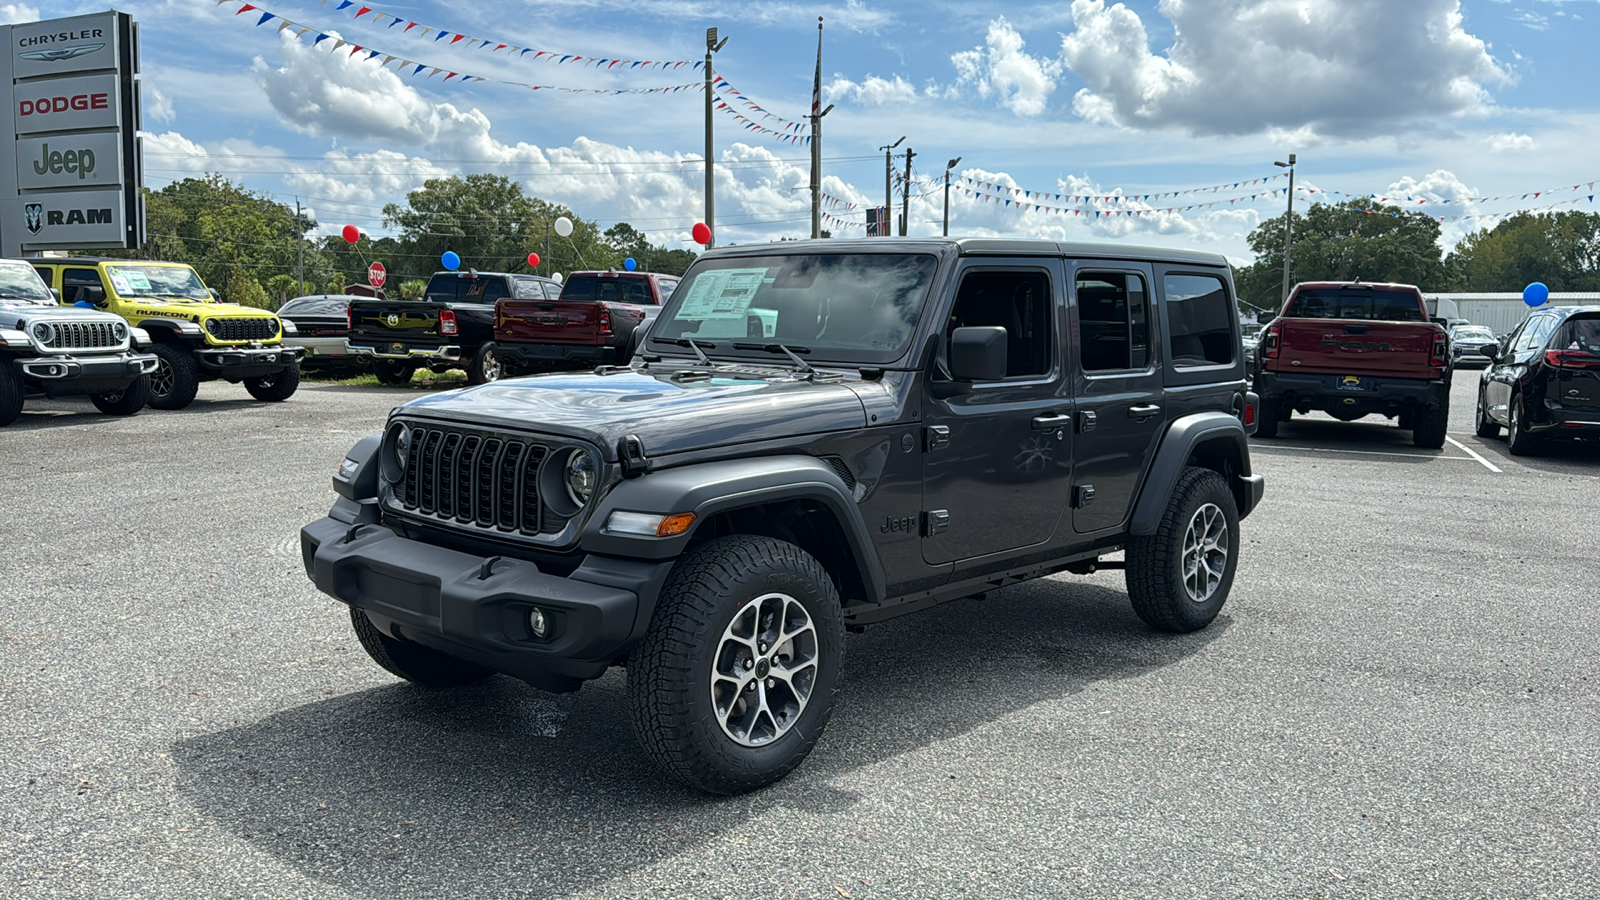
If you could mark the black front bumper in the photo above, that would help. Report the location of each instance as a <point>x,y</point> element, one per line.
<point>65,374</point>
<point>476,608</point>
<point>234,363</point>
<point>1312,390</point>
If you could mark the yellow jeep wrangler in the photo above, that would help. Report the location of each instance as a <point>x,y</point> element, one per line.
<point>197,337</point>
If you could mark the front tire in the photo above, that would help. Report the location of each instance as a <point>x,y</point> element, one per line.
<point>1486,427</point>
<point>1518,440</point>
<point>1429,426</point>
<point>176,379</point>
<point>10,392</point>
<point>485,365</point>
<point>1179,577</point>
<point>735,680</point>
<point>125,402</point>
<point>414,662</point>
<point>277,387</point>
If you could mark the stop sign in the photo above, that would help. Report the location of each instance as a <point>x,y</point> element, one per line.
<point>376,274</point>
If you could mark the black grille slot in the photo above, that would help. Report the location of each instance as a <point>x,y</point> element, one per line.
<point>473,479</point>
<point>843,471</point>
<point>428,462</point>
<point>251,329</point>
<point>448,475</point>
<point>83,336</point>
<point>466,463</point>
<point>506,486</point>
<point>529,520</point>
<point>483,475</point>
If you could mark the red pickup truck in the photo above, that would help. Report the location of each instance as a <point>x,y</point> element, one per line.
<point>1353,349</point>
<point>592,323</point>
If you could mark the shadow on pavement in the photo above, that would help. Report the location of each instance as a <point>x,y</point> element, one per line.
<point>501,789</point>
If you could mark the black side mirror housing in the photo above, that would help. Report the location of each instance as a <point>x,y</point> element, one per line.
<point>56,294</point>
<point>214,295</point>
<point>1492,351</point>
<point>978,353</point>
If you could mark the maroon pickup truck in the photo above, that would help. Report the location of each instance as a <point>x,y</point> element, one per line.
<point>592,323</point>
<point>1352,349</point>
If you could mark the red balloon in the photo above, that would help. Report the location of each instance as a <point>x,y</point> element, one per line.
<point>533,260</point>
<point>351,234</point>
<point>701,233</point>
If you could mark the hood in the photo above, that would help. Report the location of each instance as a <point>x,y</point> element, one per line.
<point>668,416</point>
<point>10,316</point>
<point>205,308</point>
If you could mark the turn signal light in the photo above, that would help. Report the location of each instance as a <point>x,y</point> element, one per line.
<point>605,320</point>
<point>447,321</point>
<point>674,525</point>
<point>1269,344</point>
<point>648,525</point>
<point>1441,347</point>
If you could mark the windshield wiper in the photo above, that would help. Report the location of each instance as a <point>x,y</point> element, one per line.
<point>692,345</point>
<point>791,352</point>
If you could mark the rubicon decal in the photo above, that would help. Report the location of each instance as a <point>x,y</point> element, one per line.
<point>46,105</point>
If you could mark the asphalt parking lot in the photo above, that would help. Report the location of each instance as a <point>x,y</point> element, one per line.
<point>1400,699</point>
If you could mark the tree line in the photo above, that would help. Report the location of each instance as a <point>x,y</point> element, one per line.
<point>1364,239</point>
<point>252,249</point>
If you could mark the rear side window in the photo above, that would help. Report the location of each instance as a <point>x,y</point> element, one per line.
<point>667,286</point>
<point>1578,333</point>
<point>465,289</point>
<point>528,289</point>
<point>81,284</point>
<point>607,289</point>
<point>1113,321</point>
<point>1375,304</point>
<point>1199,319</point>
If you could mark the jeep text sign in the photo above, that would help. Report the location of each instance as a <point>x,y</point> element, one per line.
<point>64,46</point>
<point>78,160</point>
<point>67,104</point>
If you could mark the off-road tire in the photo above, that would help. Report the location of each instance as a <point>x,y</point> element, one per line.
<point>393,374</point>
<point>1485,426</point>
<point>1267,418</point>
<point>1408,420</point>
<point>176,374</point>
<point>277,387</point>
<point>125,402</point>
<point>1518,440</point>
<point>670,672</point>
<point>1155,572</point>
<point>414,662</point>
<point>485,365</point>
<point>1429,429</point>
<point>10,392</point>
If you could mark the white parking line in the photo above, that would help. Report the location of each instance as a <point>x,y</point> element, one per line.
<point>1472,453</point>
<point>1270,450</point>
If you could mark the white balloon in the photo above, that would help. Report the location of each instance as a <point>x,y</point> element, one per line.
<point>564,226</point>
<point>557,277</point>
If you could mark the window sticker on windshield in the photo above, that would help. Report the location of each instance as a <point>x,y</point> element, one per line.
<point>721,294</point>
<point>129,280</point>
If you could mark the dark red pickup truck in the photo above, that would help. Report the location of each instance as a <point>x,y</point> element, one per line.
<point>591,324</point>
<point>1353,349</point>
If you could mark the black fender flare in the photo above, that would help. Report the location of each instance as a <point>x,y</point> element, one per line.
<point>167,329</point>
<point>1177,445</point>
<point>707,489</point>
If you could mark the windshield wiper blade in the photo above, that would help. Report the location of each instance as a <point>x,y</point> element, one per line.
<point>791,352</point>
<point>692,345</point>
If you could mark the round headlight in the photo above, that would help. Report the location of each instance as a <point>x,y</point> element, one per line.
<point>273,327</point>
<point>582,474</point>
<point>402,446</point>
<point>120,329</point>
<point>43,333</point>
<point>213,326</point>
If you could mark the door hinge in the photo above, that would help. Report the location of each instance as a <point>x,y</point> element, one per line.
<point>938,437</point>
<point>1082,495</point>
<point>1087,420</point>
<point>935,521</point>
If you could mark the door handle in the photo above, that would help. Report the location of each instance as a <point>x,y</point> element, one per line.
<point>1143,412</point>
<point>1052,421</point>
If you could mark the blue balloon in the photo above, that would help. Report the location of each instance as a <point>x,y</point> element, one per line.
<point>451,260</point>
<point>630,264</point>
<point>1535,294</point>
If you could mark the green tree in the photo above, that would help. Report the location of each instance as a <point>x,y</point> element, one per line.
<point>243,289</point>
<point>412,289</point>
<point>1342,242</point>
<point>1560,249</point>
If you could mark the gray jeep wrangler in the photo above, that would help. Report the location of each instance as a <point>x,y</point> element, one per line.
<point>813,437</point>
<point>58,351</point>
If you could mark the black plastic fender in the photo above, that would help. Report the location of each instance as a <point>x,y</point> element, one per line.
<point>361,482</point>
<point>707,489</point>
<point>182,329</point>
<point>1176,446</point>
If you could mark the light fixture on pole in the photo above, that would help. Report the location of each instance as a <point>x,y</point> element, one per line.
<point>712,46</point>
<point>947,167</point>
<point>888,188</point>
<point>1288,226</point>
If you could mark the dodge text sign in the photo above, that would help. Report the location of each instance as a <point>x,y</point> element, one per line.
<point>67,104</point>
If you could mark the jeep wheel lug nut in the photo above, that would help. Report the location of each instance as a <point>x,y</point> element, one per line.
<point>772,682</point>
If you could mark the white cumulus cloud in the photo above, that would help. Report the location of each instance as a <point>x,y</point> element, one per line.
<point>872,91</point>
<point>17,13</point>
<point>1510,142</point>
<point>1003,69</point>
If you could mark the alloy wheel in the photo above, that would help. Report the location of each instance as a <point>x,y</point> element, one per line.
<point>162,379</point>
<point>491,366</point>
<point>764,670</point>
<point>1205,552</point>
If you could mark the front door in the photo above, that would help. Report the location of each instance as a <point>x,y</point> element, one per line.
<point>998,463</point>
<point>1119,410</point>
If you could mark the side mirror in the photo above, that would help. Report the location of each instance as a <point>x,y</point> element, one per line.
<point>636,340</point>
<point>978,353</point>
<point>56,294</point>
<point>215,297</point>
<point>1492,351</point>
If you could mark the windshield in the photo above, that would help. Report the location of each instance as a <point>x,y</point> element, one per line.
<point>20,285</point>
<point>315,306</point>
<point>166,282</point>
<point>1479,334</point>
<point>856,308</point>
<point>1374,304</point>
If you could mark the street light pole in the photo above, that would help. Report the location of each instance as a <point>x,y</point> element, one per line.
<point>1288,226</point>
<point>888,189</point>
<point>905,199</point>
<point>712,46</point>
<point>947,167</point>
<point>817,112</point>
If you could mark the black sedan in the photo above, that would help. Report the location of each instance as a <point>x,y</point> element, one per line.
<point>323,321</point>
<point>1543,380</point>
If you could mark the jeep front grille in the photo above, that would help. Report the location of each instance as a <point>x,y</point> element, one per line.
<point>83,336</point>
<point>255,328</point>
<point>486,480</point>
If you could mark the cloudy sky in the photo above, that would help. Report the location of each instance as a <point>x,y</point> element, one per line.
<point>1454,107</point>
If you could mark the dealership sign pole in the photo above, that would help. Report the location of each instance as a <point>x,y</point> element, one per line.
<point>73,91</point>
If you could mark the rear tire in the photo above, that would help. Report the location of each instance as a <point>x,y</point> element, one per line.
<point>1518,440</point>
<point>1179,577</point>
<point>276,387</point>
<point>485,366</point>
<point>414,662</point>
<point>1428,430</point>
<point>393,374</point>
<point>1486,427</point>
<point>1267,418</point>
<point>10,392</point>
<point>176,379</point>
<point>125,402</point>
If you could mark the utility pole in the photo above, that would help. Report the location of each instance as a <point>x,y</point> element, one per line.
<point>712,46</point>
<point>817,112</point>
<point>1288,226</point>
<point>905,199</point>
<point>947,167</point>
<point>888,189</point>
<point>299,248</point>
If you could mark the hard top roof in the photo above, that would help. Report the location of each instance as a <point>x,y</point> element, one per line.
<point>978,247</point>
<point>95,260</point>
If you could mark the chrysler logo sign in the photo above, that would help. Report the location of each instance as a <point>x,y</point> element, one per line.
<point>55,54</point>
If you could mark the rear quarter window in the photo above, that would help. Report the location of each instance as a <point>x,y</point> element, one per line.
<point>1200,320</point>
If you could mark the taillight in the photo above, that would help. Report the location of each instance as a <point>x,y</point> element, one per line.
<point>1269,344</point>
<point>605,320</point>
<point>1441,348</point>
<point>447,321</point>
<point>1249,414</point>
<point>349,319</point>
<point>1571,359</point>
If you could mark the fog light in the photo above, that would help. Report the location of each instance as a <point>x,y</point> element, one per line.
<point>538,623</point>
